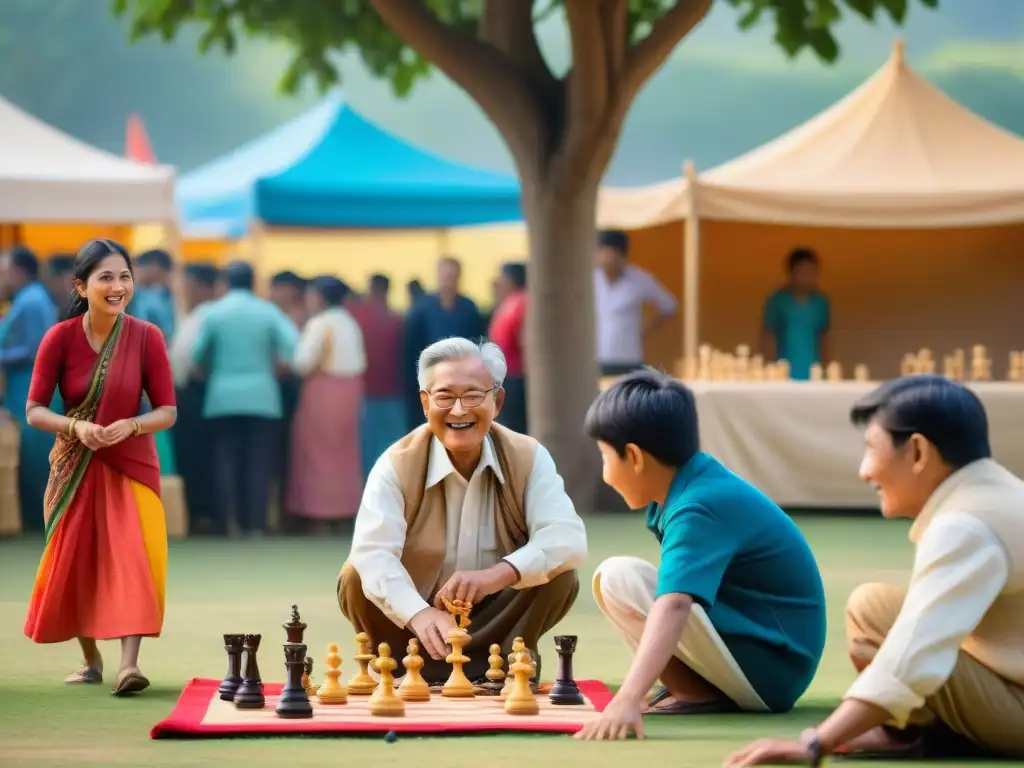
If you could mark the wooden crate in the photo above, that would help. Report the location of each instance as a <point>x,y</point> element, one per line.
<point>10,504</point>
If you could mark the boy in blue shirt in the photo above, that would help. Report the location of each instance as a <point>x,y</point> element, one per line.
<point>733,619</point>
<point>797,318</point>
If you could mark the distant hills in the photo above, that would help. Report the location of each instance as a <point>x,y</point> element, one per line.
<point>722,93</point>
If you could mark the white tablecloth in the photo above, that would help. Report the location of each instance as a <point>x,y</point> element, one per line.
<point>794,440</point>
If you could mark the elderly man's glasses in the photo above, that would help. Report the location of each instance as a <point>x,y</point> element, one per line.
<point>446,400</point>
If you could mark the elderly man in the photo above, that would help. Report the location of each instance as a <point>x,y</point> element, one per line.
<point>462,508</point>
<point>941,663</point>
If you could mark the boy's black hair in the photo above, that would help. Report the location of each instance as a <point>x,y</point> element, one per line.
<point>947,414</point>
<point>650,409</point>
<point>798,256</point>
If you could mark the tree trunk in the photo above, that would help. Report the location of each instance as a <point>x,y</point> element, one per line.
<point>561,360</point>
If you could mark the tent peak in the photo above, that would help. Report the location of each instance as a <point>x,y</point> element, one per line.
<point>899,48</point>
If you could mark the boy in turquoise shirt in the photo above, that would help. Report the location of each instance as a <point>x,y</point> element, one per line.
<point>797,317</point>
<point>733,618</point>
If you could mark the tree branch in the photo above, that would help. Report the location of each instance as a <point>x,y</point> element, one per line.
<point>508,26</point>
<point>490,78</point>
<point>647,56</point>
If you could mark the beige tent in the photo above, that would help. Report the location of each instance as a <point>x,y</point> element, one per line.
<point>915,204</point>
<point>49,176</point>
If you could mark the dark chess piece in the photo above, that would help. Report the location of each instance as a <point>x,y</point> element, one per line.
<point>295,627</point>
<point>233,679</point>
<point>250,693</point>
<point>294,702</point>
<point>565,690</point>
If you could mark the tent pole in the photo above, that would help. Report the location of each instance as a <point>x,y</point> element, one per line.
<point>258,251</point>
<point>691,266</point>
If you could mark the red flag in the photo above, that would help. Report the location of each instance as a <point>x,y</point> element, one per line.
<point>136,141</point>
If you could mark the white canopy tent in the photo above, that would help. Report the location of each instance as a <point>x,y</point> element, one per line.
<point>49,176</point>
<point>896,153</point>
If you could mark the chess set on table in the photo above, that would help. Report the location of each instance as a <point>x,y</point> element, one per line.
<point>955,365</point>
<point>242,704</point>
<point>715,365</point>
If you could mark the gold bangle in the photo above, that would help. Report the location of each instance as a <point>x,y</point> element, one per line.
<point>138,428</point>
<point>71,427</point>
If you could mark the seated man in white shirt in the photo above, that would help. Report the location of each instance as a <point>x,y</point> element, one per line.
<point>942,662</point>
<point>462,508</point>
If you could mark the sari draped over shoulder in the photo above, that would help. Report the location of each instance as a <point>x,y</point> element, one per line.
<point>103,570</point>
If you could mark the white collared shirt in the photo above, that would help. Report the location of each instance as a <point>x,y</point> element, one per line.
<point>960,567</point>
<point>620,313</point>
<point>557,536</point>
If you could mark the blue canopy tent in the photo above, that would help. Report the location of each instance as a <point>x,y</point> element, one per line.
<point>215,201</point>
<point>360,176</point>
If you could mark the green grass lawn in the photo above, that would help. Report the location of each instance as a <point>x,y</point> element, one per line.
<point>217,587</point>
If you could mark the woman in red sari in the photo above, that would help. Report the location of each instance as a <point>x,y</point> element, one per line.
<point>103,571</point>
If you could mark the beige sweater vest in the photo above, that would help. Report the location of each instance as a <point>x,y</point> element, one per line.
<point>995,496</point>
<point>423,555</point>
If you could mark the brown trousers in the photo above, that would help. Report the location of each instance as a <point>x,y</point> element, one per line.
<point>974,702</point>
<point>498,619</point>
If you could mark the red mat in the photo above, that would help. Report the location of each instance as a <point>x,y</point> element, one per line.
<point>200,713</point>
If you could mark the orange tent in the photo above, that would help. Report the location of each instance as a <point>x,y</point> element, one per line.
<point>914,203</point>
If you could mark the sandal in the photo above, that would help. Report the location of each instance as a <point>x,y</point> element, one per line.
<point>85,675</point>
<point>712,707</point>
<point>133,682</point>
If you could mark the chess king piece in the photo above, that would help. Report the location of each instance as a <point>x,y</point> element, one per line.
<point>294,701</point>
<point>332,691</point>
<point>495,674</point>
<point>362,683</point>
<point>295,627</point>
<point>385,702</point>
<point>307,676</point>
<point>458,685</point>
<point>518,646</point>
<point>565,690</point>
<point>413,687</point>
<point>233,679</point>
<point>521,700</point>
<point>250,693</point>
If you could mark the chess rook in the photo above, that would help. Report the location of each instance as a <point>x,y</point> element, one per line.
<point>233,679</point>
<point>565,690</point>
<point>250,693</point>
<point>294,701</point>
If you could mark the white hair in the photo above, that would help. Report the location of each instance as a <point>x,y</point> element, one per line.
<point>458,348</point>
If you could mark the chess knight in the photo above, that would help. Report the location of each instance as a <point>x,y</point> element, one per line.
<point>462,509</point>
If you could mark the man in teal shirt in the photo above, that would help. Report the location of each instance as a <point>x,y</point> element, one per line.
<point>734,616</point>
<point>241,342</point>
<point>797,317</point>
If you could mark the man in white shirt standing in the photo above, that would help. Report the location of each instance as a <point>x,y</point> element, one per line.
<point>942,662</point>
<point>620,292</point>
<point>464,509</point>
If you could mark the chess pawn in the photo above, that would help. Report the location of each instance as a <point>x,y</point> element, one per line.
<point>385,702</point>
<point>784,370</point>
<point>458,685</point>
<point>332,691</point>
<point>834,371</point>
<point>413,687</point>
<point>817,374</point>
<point>521,700</point>
<point>860,373</point>
<point>495,674</point>
<point>908,365</point>
<point>518,646</point>
<point>362,683</point>
<point>757,368</point>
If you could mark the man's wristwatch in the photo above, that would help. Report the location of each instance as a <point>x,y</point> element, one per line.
<point>815,753</point>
